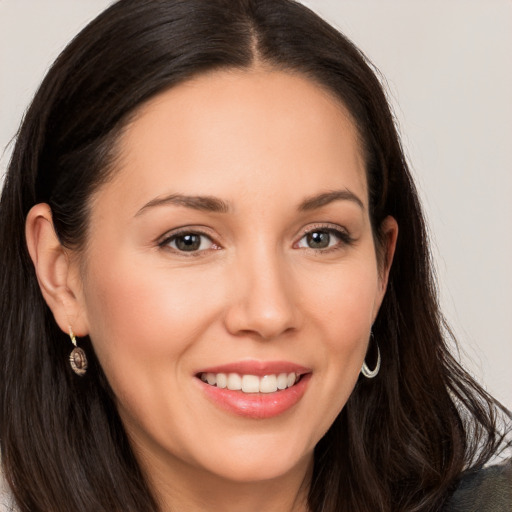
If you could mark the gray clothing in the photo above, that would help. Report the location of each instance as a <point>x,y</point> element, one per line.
<point>486,490</point>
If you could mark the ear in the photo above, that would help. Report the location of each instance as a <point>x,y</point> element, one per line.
<point>389,235</point>
<point>57,275</point>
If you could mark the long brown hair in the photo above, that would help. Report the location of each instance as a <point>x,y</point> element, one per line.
<point>402,439</point>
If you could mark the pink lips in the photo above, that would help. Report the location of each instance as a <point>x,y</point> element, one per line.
<point>257,405</point>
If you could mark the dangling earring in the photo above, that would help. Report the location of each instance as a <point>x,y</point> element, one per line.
<point>370,374</point>
<point>77,358</point>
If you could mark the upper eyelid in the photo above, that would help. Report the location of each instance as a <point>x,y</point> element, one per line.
<point>186,230</point>
<point>323,225</point>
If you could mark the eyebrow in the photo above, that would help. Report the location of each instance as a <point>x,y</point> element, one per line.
<point>202,203</point>
<point>217,205</point>
<point>319,200</point>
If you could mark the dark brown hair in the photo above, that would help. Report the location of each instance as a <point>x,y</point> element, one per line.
<point>402,439</point>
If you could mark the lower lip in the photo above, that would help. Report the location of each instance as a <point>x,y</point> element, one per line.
<point>257,405</point>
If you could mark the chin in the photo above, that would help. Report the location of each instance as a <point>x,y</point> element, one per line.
<point>259,461</point>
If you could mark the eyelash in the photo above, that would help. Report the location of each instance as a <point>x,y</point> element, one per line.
<point>343,236</point>
<point>165,243</point>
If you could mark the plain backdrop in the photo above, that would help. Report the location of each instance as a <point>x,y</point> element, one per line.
<point>447,68</point>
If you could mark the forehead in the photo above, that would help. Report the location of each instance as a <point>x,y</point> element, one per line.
<point>240,133</point>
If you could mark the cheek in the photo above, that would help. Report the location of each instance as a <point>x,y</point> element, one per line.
<point>343,301</point>
<point>341,307</point>
<point>142,316</point>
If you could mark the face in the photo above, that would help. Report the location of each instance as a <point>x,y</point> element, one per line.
<point>233,245</point>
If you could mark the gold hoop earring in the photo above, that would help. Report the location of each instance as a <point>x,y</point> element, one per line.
<point>77,358</point>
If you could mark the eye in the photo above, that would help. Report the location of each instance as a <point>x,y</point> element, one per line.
<point>323,238</point>
<point>188,242</point>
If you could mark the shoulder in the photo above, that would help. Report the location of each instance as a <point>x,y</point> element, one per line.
<point>485,490</point>
<point>6,499</point>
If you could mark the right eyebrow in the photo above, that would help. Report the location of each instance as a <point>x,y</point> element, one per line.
<point>203,203</point>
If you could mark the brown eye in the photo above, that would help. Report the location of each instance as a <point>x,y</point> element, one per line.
<point>324,238</point>
<point>189,242</point>
<point>318,239</point>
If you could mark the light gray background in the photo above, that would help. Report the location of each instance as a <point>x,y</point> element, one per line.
<point>448,69</point>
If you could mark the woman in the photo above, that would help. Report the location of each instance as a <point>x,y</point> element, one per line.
<point>217,286</point>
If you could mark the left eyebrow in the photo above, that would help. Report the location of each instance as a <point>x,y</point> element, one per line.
<point>319,200</point>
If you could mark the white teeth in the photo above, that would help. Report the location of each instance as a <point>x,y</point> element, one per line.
<point>234,382</point>
<point>222,380</point>
<point>251,383</point>
<point>268,384</point>
<point>282,381</point>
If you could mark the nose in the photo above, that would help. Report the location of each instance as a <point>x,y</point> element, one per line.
<point>263,303</point>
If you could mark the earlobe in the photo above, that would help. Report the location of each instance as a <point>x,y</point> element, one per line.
<point>52,266</point>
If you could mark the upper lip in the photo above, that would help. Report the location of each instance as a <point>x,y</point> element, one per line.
<point>258,368</point>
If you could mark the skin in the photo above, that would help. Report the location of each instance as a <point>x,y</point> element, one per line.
<point>263,142</point>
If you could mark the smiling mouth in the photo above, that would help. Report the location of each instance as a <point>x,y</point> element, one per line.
<point>271,383</point>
